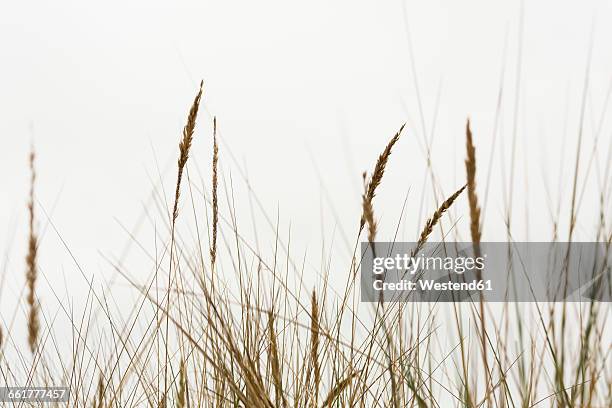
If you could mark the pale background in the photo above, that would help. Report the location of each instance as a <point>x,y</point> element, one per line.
<point>306,94</point>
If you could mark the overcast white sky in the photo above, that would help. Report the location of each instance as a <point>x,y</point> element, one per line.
<point>299,89</point>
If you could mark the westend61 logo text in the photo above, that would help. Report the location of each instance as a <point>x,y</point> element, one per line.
<point>412,264</point>
<point>404,266</point>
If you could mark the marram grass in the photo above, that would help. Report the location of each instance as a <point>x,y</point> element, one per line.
<point>235,330</point>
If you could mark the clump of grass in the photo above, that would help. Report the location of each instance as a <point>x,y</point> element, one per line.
<point>31,265</point>
<point>266,344</point>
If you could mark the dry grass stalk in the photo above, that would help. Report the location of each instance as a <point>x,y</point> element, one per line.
<point>378,173</point>
<point>470,167</point>
<point>368,212</point>
<point>31,267</point>
<point>181,398</point>
<point>215,205</point>
<point>277,375</point>
<point>314,345</point>
<point>185,146</point>
<point>431,223</point>
<point>337,390</point>
<point>99,400</point>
